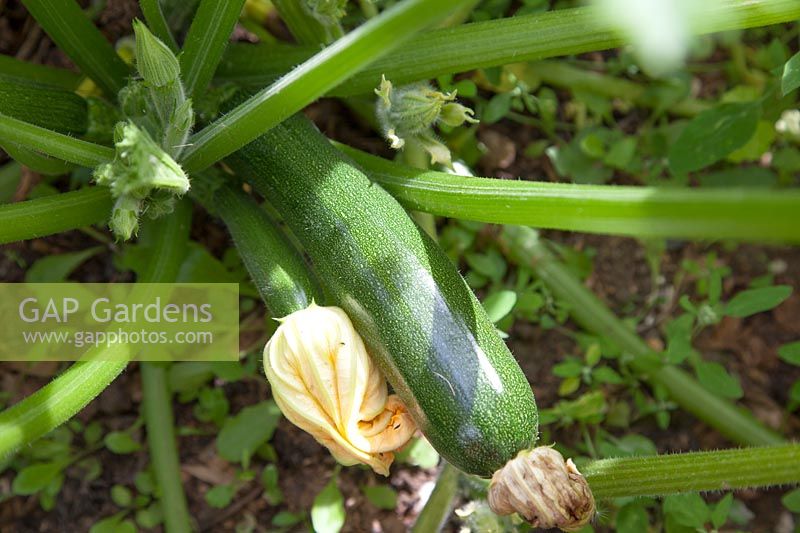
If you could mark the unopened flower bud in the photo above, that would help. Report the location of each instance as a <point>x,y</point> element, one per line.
<point>154,60</point>
<point>325,383</point>
<point>544,489</point>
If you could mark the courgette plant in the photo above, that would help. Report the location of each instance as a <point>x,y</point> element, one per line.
<point>196,118</point>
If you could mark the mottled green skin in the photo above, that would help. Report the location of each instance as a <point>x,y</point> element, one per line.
<point>424,327</point>
<point>43,105</point>
<point>278,271</point>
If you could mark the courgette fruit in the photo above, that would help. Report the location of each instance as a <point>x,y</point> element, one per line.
<point>422,324</point>
<point>277,269</point>
<point>43,105</point>
<point>46,106</point>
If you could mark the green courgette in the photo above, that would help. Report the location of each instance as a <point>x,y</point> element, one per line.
<point>278,271</point>
<point>422,324</point>
<point>46,106</point>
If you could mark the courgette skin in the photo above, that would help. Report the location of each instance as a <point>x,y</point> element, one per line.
<point>275,266</point>
<point>43,105</point>
<point>424,327</point>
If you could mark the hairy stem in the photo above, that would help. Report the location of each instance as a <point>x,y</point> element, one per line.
<point>730,213</point>
<point>53,214</point>
<point>498,42</point>
<point>694,472</point>
<point>157,22</point>
<point>312,79</point>
<point>208,35</point>
<point>524,247</point>
<point>51,143</point>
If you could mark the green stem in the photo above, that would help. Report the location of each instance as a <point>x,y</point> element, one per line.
<point>325,70</point>
<point>67,25</point>
<point>525,248</point>
<point>62,398</point>
<point>208,35</point>
<point>694,472</point>
<point>304,27</point>
<point>277,269</point>
<point>433,516</point>
<point>518,39</point>
<point>51,143</point>
<point>730,213</point>
<point>167,255</point>
<point>157,410</point>
<point>154,16</point>
<point>57,77</point>
<point>53,214</point>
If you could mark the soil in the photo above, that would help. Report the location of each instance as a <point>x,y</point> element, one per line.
<point>621,277</point>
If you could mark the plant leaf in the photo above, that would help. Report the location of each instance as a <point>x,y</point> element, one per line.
<point>754,301</point>
<point>499,304</point>
<point>56,268</point>
<point>716,379</point>
<point>712,135</point>
<point>790,353</point>
<point>327,512</point>
<point>791,75</point>
<point>242,434</point>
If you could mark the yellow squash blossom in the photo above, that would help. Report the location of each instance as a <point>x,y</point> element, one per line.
<point>325,383</point>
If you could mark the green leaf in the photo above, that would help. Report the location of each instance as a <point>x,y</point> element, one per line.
<point>568,369</point>
<point>113,524</point>
<point>712,135</point>
<point>419,453</point>
<point>716,379</point>
<point>632,518</point>
<point>381,496</point>
<point>121,442</point>
<point>327,511</point>
<point>150,516</point>
<point>121,495</point>
<point>272,491</point>
<point>497,108</point>
<point>791,500</point>
<point>606,374</point>
<point>220,496</point>
<point>790,353</point>
<point>754,301</point>
<point>35,477</point>
<point>721,511</point>
<point>56,268</point>
<point>791,74</point>
<point>241,435</point>
<point>687,509</point>
<point>490,264</point>
<point>10,175</point>
<point>499,304</point>
<point>286,519</point>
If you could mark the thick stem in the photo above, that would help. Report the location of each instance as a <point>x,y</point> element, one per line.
<point>312,79</point>
<point>694,472</point>
<point>501,42</point>
<point>524,247</point>
<point>746,214</point>
<point>437,509</point>
<point>205,42</point>
<point>53,214</point>
<point>154,15</point>
<point>51,143</point>
<point>167,256</point>
<point>58,401</point>
<point>67,25</point>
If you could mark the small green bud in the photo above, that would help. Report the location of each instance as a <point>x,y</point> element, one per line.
<point>154,60</point>
<point>141,176</point>
<point>124,222</point>
<point>328,12</point>
<point>454,115</point>
<point>407,116</point>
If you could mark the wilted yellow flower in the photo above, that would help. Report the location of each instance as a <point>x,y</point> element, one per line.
<point>325,383</point>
